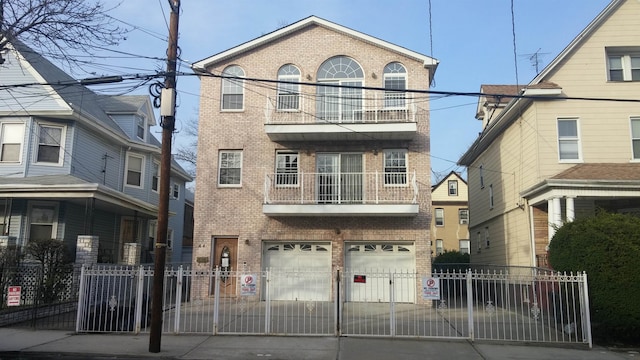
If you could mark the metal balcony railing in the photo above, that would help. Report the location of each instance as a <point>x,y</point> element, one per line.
<point>293,109</point>
<point>340,188</point>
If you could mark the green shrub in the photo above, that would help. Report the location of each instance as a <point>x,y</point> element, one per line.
<point>451,260</point>
<point>607,248</point>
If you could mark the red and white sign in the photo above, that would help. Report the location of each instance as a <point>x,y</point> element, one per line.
<point>248,285</point>
<point>13,298</point>
<point>430,288</point>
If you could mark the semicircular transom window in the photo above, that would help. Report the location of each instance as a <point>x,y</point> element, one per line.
<point>342,101</point>
<point>395,82</point>
<point>232,88</point>
<point>288,88</point>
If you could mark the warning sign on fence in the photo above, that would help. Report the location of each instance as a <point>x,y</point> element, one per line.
<point>248,285</point>
<point>430,288</point>
<point>13,298</point>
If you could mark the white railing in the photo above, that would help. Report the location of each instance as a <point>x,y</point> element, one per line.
<point>291,109</point>
<point>531,306</point>
<point>341,188</point>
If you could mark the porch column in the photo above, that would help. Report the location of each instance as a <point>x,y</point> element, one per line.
<point>571,213</point>
<point>554,215</point>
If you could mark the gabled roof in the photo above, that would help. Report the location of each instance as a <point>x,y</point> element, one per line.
<point>451,174</point>
<point>506,117</point>
<point>200,66</point>
<point>128,104</point>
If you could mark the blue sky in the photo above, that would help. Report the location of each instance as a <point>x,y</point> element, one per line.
<point>472,39</point>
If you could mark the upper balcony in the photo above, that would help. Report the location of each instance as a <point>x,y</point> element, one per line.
<point>340,194</point>
<point>392,117</point>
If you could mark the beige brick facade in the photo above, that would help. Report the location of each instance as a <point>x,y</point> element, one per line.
<point>227,212</point>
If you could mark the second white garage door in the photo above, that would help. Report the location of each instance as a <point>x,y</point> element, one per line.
<point>369,266</point>
<point>298,271</point>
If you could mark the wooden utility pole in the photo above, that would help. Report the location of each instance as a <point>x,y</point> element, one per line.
<point>168,120</point>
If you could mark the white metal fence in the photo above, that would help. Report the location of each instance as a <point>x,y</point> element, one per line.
<point>529,306</point>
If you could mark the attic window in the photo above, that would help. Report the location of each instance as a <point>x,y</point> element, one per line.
<point>140,128</point>
<point>623,64</point>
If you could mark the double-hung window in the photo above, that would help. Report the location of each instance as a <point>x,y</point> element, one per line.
<point>395,82</point>
<point>288,88</point>
<point>135,165</point>
<point>233,88</point>
<point>623,65</point>
<point>11,137</point>
<point>286,168</point>
<point>439,212</point>
<point>395,167</point>
<point>49,144</point>
<point>230,168</point>
<point>155,176</point>
<point>568,140</point>
<point>463,216</point>
<point>635,137</point>
<point>140,127</point>
<point>439,247</point>
<point>453,187</point>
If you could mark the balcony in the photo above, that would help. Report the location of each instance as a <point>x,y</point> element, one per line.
<point>289,118</point>
<point>340,194</point>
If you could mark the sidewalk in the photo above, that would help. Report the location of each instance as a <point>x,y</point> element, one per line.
<point>26,343</point>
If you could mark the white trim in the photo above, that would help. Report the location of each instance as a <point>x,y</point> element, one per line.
<point>142,172</point>
<point>22,141</point>
<point>54,222</point>
<point>219,168</point>
<point>61,146</point>
<point>577,139</point>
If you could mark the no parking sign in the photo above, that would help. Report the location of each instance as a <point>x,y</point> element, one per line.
<point>430,288</point>
<point>248,285</point>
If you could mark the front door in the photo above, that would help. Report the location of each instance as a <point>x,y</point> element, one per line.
<point>225,258</point>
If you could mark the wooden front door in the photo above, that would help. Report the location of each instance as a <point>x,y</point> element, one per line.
<point>225,258</point>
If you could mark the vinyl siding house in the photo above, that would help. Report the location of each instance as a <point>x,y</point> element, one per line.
<point>315,172</point>
<point>553,155</point>
<point>75,163</point>
<point>449,228</point>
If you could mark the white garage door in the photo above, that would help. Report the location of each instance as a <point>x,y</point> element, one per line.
<point>368,269</point>
<point>298,271</point>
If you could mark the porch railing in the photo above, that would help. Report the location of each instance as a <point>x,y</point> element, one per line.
<point>340,188</point>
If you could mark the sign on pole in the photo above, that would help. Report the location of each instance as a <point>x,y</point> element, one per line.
<point>248,285</point>
<point>430,288</point>
<point>13,298</point>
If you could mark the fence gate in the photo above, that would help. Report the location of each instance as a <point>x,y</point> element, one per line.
<point>521,305</point>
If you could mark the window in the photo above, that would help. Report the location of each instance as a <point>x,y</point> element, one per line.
<point>464,246</point>
<point>481,170</point>
<point>175,191</point>
<point>635,137</point>
<point>49,143</point>
<point>155,176</point>
<point>624,66</point>
<point>486,237</point>
<point>439,217</point>
<point>395,167</point>
<point>288,93</point>
<point>134,170</point>
<point>230,168</point>
<point>232,88</point>
<point>491,196</point>
<point>479,241</point>
<point>453,187</point>
<point>339,104</point>
<point>395,80</point>
<point>12,136</point>
<point>43,221</point>
<point>286,168</point>
<point>439,247</point>
<point>140,127</point>
<point>169,238</point>
<point>339,178</point>
<point>568,140</point>
<point>463,216</point>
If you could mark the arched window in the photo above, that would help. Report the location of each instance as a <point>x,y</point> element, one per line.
<point>395,81</point>
<point>232,89</point>
<point>288,94</point>
<point>338,104</point>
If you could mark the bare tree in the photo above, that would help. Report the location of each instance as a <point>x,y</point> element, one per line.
<point>58,29</point>
<point>187,153</point>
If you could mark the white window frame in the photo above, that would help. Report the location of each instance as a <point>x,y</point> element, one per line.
<point>141,126</point>
<point>487,240</point>
<point>126,174</point>
<point>175,191</point>
<point>569,140</point>
<point>4,134</point>
<point>63,133</point>
<point>439,247</point>
<point>463,220</point>
<point>635,138</point>
<point>454,187</point>
<point>220,156</point>
<point>625,68</point>
<point>491,199</point>
<point>155,176</point>
<point>395,178</point>
<point>54,220</point>
<point>481,171</point>
<point>479,241</point>
<point>394,98</point>
<point>436,216</point>
<point>169,238</point>
<point>287,175</point>
<point>232,87</point>
<point>467,247</point>
<point>288,94</point>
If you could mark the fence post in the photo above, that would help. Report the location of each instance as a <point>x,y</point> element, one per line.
<point>585,304</point>
<point>392,310</point>
<point>216,299</point>
<point>470,305</point>
<point>267,301</point>
<point>336,315</point>
<point>81,304</point>
<point>139,300</point>
<point>176,326</point>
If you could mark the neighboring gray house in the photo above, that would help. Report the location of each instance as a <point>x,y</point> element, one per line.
<point>73,162</point>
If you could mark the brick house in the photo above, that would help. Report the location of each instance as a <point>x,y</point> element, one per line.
<point>312,156</point>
